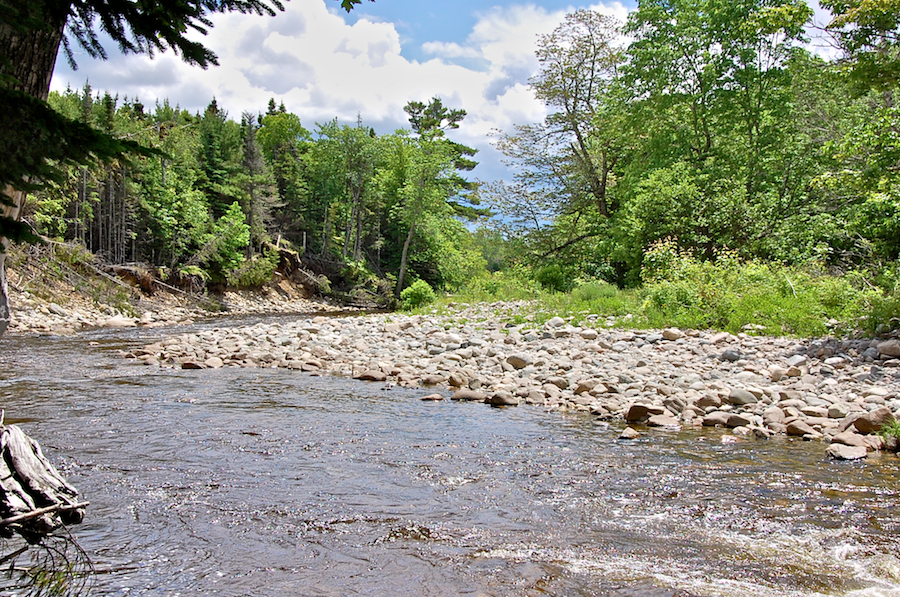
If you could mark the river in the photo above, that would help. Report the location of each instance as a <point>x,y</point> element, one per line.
<point>252,482</point>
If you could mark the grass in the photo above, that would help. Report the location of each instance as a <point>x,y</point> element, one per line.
<point>892,429</point>
<point>733,296</point>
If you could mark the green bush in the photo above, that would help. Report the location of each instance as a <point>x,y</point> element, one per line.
<point>416,295</point>
<point>254,272</point>
<point>728,293</point>
<point>892,429</point>
<point>883,313</point>
<point>589,292</point>
<point>555,278</point>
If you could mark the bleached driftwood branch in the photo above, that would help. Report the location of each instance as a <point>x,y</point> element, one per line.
<point>34,497</point>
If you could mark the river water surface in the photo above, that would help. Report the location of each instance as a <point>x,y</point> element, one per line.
<point>252,482</point>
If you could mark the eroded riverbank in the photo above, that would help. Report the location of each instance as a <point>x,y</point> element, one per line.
<point>839,391</point>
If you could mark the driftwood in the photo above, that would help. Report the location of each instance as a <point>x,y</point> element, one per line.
<point>34,498</point>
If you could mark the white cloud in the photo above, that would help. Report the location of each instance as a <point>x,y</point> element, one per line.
<point>321,67</point>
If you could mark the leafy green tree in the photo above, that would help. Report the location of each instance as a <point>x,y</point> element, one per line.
<point>711,94</point>
<point>869,32</point>
<point>224,250</point>
<point>220,155</point>
<point>431,121</point>
<point>355,151</point>
<point>579,68</point>
<point>566,167</point>
<point>417,182</point>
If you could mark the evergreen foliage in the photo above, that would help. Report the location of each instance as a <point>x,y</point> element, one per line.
<point>212,196</point>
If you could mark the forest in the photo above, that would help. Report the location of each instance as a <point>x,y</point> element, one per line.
<point>696,139</point>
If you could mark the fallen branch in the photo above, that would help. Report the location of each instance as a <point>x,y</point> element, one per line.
<point>41,511</point>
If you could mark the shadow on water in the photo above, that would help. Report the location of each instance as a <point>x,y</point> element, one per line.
<point>267,482</point>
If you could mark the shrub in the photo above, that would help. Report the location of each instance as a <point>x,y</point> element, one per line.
<point>416,295</point>
<point>254,272</point>
<point>555,278</point>
<point>892,429</point>
<point>728,294</point>
<point>590,292</point>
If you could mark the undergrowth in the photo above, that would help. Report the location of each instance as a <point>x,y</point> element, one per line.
<point>726,293</point>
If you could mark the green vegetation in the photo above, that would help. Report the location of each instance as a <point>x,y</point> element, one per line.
<point>715,166</point>
<point>211,204</point>
<point>417,295</point>
<point>684,291</point>
<point>891,430</point>
<point>709,173</point>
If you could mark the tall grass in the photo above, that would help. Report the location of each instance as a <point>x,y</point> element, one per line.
<point>726,294</point>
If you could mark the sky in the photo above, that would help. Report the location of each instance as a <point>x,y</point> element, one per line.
<point>323,63</point>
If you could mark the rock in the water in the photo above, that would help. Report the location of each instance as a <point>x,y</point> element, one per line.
<point>849,438</point>
<point>738,420</point>
<point>845,452</point>
<point>458,380</point>
<point>432,398</point>
<point>372,375</point>
<point>629,433</point>
<point>800,429</point>
<point>468,396</point>
<point>503,398</point>
<point>663,421</point>
<point>717,418</point>
<point>119,321</point>
<point>641,412</point>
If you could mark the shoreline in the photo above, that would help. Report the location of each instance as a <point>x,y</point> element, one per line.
<point>840,391</point>
<point>67,310</point>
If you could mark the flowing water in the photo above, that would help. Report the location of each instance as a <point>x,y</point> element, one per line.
<point>249,482</point>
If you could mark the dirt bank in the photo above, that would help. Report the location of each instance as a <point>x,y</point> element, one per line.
<point>52,295</point>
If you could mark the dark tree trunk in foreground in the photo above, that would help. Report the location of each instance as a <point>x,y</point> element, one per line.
<point>28,57</point>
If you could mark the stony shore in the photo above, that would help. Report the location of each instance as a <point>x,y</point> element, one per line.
<point>839,391</point>
<point>36,315</point>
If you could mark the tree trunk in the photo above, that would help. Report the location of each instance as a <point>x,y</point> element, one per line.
<point>28,57</point>
<point>403,257</point>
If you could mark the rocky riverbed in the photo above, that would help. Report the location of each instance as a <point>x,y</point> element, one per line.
<point>839,391</point>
